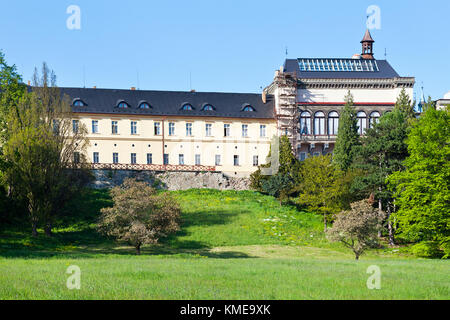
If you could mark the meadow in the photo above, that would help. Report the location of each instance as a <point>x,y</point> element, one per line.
<point>232,245</point>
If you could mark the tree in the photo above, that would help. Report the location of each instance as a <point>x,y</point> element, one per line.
<point>357,229</point>
<point>45,162</point>
<point>278,185</point>
<point>139,215</point>
<point>381,153</point>
<point>348,136</point>
<point>324,188</point>
<point>11,90</point>
<point>405,105</point>
<point>422,190</point>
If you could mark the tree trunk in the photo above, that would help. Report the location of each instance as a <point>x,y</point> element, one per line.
<point>356,255</point>
<point>34,232</point>
<point>48,229</point>
<point>380,208</point>
<point>391,231</point>
<point>138,249</point>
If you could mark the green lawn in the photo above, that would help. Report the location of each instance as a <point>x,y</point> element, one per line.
<point>233,245</point>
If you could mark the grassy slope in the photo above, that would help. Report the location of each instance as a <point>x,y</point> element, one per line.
<point>233,245</point>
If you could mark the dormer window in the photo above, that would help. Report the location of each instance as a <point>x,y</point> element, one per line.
<point>248,108</point>
<point>187,107</point>
<point>79,103</point>
<point>208,107</point>
<point>122,105</point>
<point>144,105</point>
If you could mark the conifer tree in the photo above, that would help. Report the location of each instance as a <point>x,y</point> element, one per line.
<point>405,105</point>
<point>348,136</point>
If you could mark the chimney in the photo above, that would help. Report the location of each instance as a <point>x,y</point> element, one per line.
<point>133,88</point>
<point>29,83</point>
<point>264,96</point>
<point>94,87</point>
<point>193,91</point>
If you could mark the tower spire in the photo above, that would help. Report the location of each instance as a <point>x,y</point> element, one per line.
<point>367,46</point>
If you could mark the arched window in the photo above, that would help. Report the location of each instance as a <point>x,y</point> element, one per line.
<point>319,123</point>
<point>248,108</point>
<point>78,103</point>
<point>122,105</point>
<point>305,123</point>
<point>362,122</point>
<point>333,123</point>
<point>144,105</point>
<point>208,107</point>
<point>187,107</point>
<point>374,118</point>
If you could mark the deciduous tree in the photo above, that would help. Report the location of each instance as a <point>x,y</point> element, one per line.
<point>139,215</point>
<point>357,229</point>
<point>40,150</point>
<point>422,190</point>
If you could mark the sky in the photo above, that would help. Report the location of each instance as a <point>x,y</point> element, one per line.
<point>218,46</point>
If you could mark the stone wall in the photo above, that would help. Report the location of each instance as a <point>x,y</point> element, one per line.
<point>171,180</point>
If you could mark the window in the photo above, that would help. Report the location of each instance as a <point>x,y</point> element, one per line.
<point>303,156</point>
<point>149,158</point>
<point>217,162</point>
<point>115,158</point>
<point>197,160</point>
<point>144,105</point>
<point>319,123</point>
<point>226,130</point>
<point>236,160</point>
<point>208,128</point>
<point>362,122</point>
<point>76,157</point>
<point>171,128</point>
<point>245,130</point>
<point>333,123</point>
<point>75,126</point>
<point>255,161</point>
<point>122,105</point>
<point>374,118</point>
<point>208,107</point>
<point>133,127</point>
<point>114,127</point>
<point>181,159</point>
<point>78,103</point>
<point>248,108</point>
<point>157,127</point>
<point>95,157</point>
<point>316,154</point>
<point>262,131</point>
<point>305,123</point>
<point>133,158</point>
<point>166,159</point>
<point>188,129</point>
<point>94,126</point>
<point>187,107</point>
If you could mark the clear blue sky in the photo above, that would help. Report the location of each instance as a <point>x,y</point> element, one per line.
<point>226,46</point>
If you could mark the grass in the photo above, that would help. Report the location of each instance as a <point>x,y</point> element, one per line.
<point>233,245</point>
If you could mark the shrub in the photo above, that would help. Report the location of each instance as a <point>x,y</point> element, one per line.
<point>426,249</point>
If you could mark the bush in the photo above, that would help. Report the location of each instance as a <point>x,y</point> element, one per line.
<point>426,249</point>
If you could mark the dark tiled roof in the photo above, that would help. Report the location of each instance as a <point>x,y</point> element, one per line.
<point>385,72</point>
<point>169,103</point>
